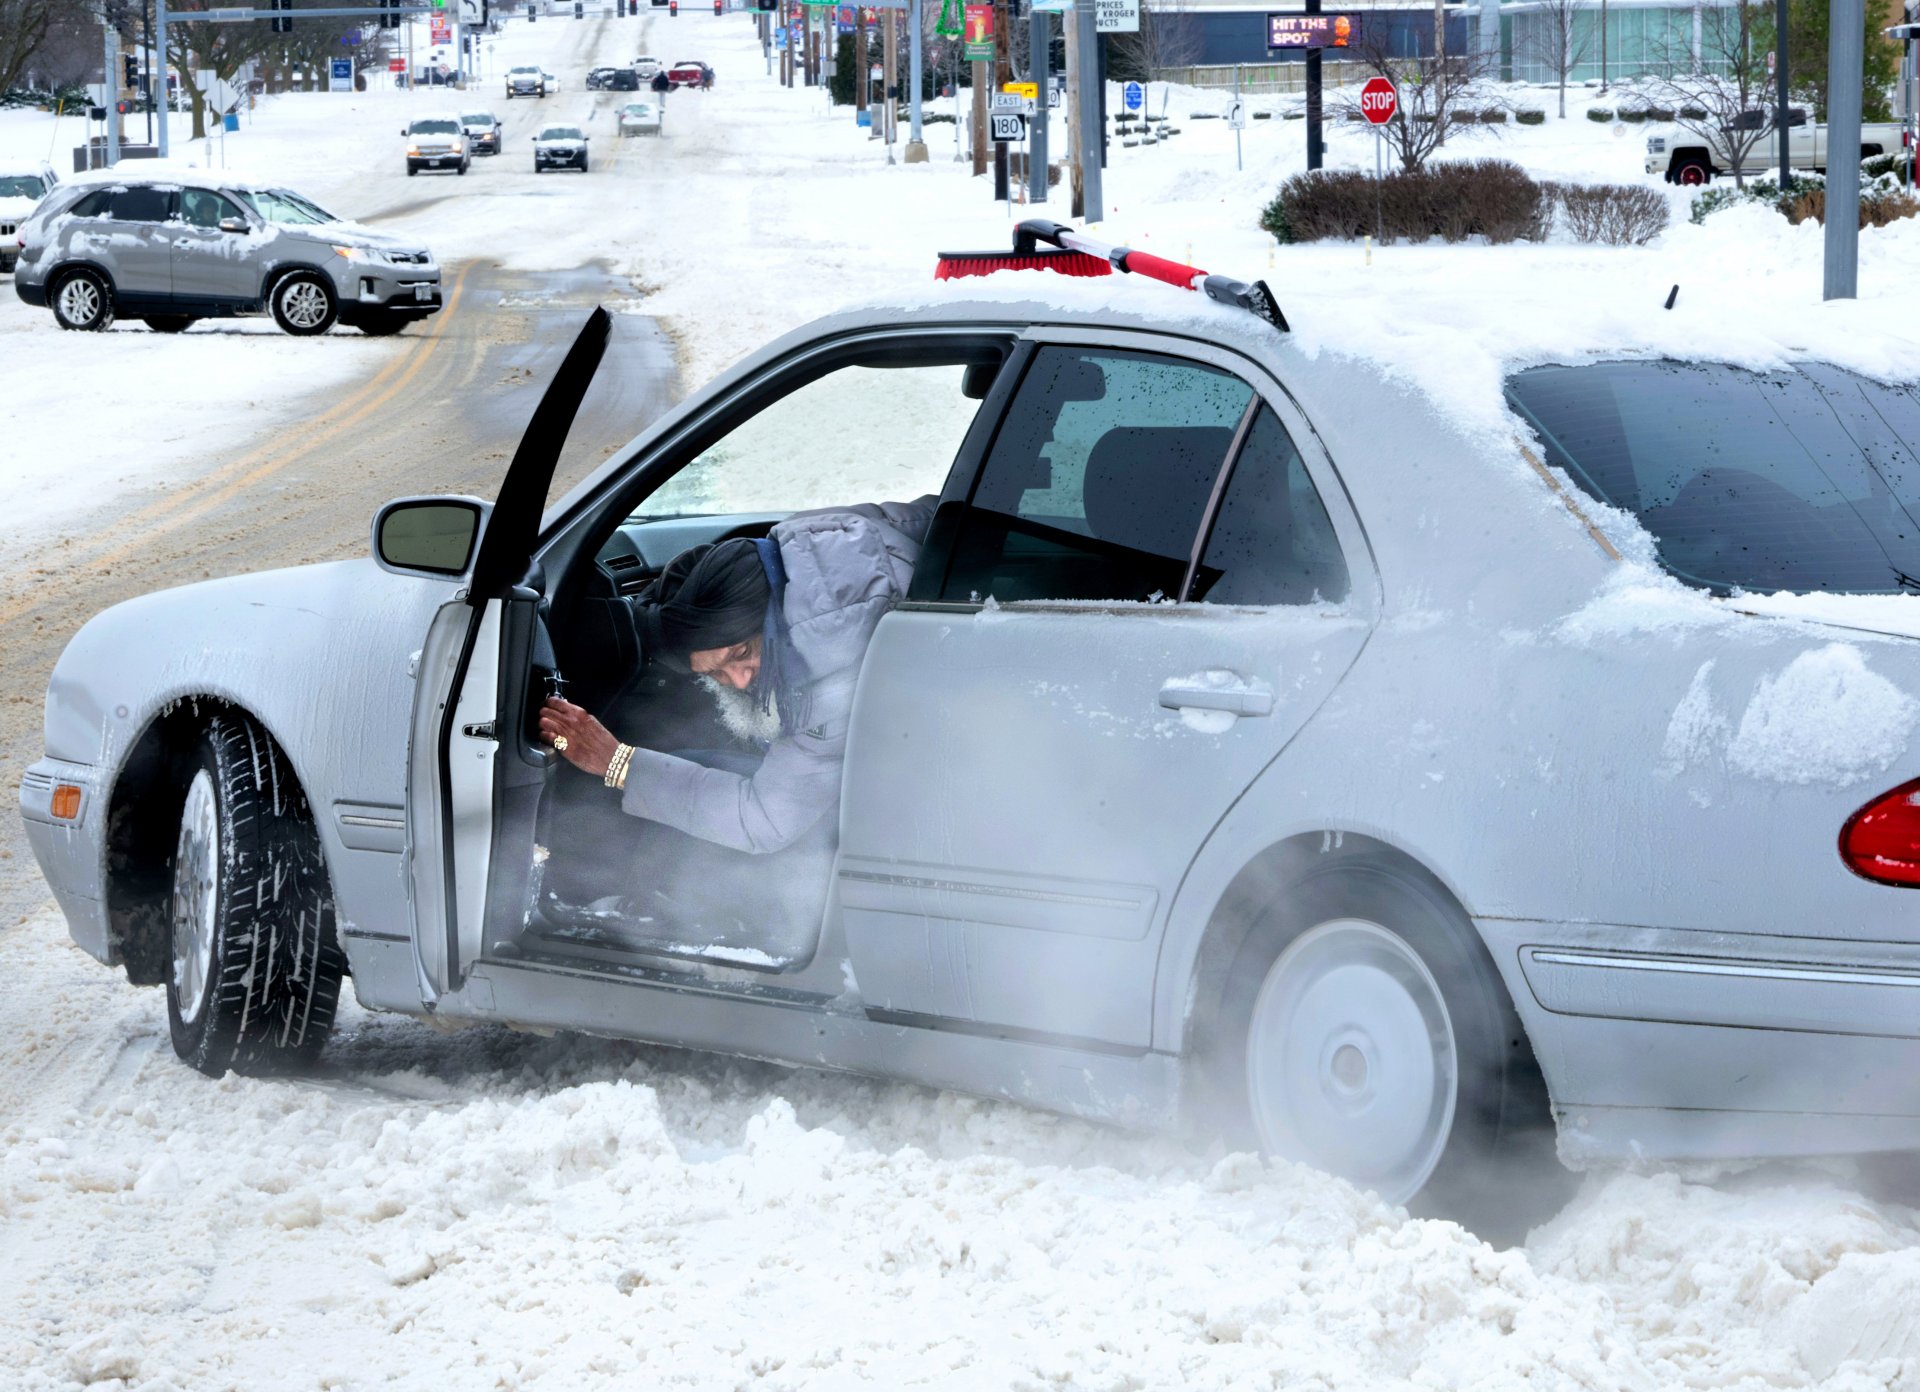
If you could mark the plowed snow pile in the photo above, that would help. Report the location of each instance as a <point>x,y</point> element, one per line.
<point>490,1210</point>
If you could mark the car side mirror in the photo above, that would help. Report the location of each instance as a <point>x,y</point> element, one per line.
<point>234,225</point>
<point>432,536</point>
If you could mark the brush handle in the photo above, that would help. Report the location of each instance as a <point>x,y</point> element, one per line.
<point>1159,268</point>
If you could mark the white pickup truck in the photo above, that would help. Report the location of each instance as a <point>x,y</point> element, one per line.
<point>1686,156</point>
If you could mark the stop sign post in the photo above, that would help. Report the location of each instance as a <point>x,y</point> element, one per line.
<point>1379,102</point>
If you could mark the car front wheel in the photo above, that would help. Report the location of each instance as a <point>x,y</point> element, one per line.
<point>304,304</point>
<point>83,301</point>
<point>1693,173</point>
<point>255,966</point>
<point>1365,1032</point>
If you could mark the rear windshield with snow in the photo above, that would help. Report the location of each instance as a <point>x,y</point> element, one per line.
<point>1803,479</point>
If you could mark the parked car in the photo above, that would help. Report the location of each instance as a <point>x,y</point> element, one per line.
<point>559,147</point>
<point>526,81</point>
<point>1683,155</point>
<point>483,132</point>
<point>646,66</point>
<point>552,82</point>
<point>173,250</point>
<point>22,185</point>
<point>623,80</point>
<point>639,118</point>
<point>437,142</point>
<point>690,73</point>
<point>1248,747</point>
<point>598,78</point>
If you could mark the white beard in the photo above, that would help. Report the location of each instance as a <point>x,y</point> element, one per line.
<point>740,712</point>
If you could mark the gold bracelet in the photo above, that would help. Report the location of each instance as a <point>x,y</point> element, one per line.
<point>616,775</point>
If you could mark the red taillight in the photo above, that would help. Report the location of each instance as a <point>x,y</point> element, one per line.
<point>1882,840</point>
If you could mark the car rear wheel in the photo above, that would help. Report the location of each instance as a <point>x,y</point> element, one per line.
<point>1364,1031</point>
<point>255,965</point>
<point>83,301</point>
<point>1693,173</point>
<point>168,323</point>
<point>304,304</point>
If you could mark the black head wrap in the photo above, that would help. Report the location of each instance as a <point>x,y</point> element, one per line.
<point>710,596</point>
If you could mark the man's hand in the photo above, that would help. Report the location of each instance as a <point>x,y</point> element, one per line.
<point>590,744</point>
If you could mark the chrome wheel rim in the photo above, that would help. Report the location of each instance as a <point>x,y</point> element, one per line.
<point>79,300</point>
<point>196,879</point>
<point>1351,1060</point>
<point>304,304</point>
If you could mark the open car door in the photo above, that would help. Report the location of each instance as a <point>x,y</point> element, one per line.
<point>470,744</point>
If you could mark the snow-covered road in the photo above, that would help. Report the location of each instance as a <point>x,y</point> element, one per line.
<point>490,1210</point>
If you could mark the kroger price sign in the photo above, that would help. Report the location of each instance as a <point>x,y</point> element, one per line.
<point>1116,16</point>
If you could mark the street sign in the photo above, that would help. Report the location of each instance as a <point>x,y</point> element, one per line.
<point>1134,95</point>
<point>351,38</point>
<point>440,30</point>
<point>1237,116</point>
<point>340,75</point>
<point>1310,30</point>
<point>1029,90</point>
<point>1116,16</point>
<point>1009,101</point>
<point>1008,127</point>
<point>473,12</point>
<point>396,65</point>
<point>1379,101</point>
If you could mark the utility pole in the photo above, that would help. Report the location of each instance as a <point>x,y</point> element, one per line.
<point>916,74</point>
<point>889,75</point>
<point>1088,137</point>
<point>1846,62</point>
<point>1603,46</point>
<point>1316,132</point>
<point>1002,74</point>
<point>110,89</point>
<point>164,97</point>
<point>1039,40</point>
<point>1780,89</point>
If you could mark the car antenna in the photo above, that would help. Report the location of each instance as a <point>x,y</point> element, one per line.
<point>1080,255</point>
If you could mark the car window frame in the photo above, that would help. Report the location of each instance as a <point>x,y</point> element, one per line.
<point>1364,592</point>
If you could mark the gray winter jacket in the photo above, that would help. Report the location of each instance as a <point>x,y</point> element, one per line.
<point>845,568</point>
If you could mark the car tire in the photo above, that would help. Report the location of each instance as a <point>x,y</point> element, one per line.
<point>168,323</point>
<point>1692,173</point>
<point>1363,1029</point>
<point>304,304</point>
<point>412,171</point>
<point>82,301</point>
<point>254,962</point>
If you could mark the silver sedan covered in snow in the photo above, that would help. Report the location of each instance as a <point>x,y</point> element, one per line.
<point>1258,741</point>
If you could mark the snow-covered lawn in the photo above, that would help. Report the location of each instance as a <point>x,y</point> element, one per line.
<point>496,1211</point>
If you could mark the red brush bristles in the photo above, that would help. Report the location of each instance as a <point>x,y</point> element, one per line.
<point>956,264</point>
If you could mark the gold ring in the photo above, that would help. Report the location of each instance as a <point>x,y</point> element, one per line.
<point>560,743</point>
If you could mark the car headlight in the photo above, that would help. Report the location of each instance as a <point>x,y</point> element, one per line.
<point>412,151</point>
<point>458,148</point>
<point>354,253</point>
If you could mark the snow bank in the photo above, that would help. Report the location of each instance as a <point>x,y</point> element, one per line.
<point>489,1210</point>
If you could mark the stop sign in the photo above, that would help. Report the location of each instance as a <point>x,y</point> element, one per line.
<point>1378,101</point>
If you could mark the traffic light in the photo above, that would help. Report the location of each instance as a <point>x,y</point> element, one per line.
<point>770,6</point>
<point>389,14</point>
<point>282,17</point>
<point>130,68</point>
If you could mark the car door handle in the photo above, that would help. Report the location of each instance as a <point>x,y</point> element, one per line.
<point>1235,700</point>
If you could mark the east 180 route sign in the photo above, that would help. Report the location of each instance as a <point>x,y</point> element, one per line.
<point>1311,30</point>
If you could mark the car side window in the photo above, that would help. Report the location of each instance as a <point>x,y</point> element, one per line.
<point>1098,480</point>
<point>141,204</point>
<point>1272,541</point>
<point>93,205</point>
<point>205,208</point>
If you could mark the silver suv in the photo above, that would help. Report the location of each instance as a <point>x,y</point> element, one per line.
<point>170,251</point>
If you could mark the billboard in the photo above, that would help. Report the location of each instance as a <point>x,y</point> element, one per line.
<point>1311,30</point>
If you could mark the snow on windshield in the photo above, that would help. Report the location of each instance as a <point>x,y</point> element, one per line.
<point>560,133</point>
<point>22,186</point>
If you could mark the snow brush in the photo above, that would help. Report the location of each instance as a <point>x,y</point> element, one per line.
<point>1075,253</point>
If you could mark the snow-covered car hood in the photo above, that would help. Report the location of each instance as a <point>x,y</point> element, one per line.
<point>572,142</point>
<point>358,234</point>
<point>15,209</point>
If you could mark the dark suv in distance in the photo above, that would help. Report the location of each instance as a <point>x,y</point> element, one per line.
<point>173,250</point>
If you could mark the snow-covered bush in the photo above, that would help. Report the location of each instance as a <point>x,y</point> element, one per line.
<point>1633,115</point>
<point>1601,114</point>
<point>1531,118</point>
<point>1617,214</point>
<point>1884,197</point>
<point>1453,201</point>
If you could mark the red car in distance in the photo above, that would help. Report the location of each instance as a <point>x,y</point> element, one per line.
<point>690,74</point>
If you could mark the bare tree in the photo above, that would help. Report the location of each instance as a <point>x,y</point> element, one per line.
<point>1168,38</point>
<point>1720,93</point>
<point>1558,40</point>
<point>24,26</point>
<point>1437,95</point>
